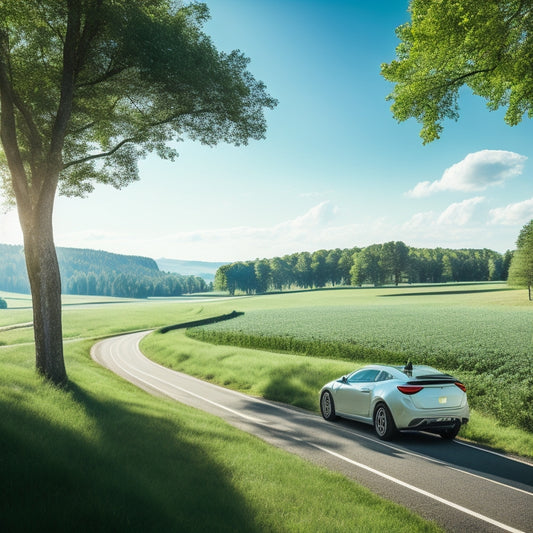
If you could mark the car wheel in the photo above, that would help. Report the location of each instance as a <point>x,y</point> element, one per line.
<point>384,423</point>
<point>327,406</point>
<point>450,434</point>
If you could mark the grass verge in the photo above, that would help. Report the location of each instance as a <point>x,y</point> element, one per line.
<point>103,455</point>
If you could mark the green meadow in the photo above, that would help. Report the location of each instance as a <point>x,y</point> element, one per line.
<point>102,455</point>
<point>105,455</point>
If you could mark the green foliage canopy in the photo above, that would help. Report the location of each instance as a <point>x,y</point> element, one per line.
<point>487,46</point>
<point>131,75</point>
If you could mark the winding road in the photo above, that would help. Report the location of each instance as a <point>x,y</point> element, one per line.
<point>461,487</point>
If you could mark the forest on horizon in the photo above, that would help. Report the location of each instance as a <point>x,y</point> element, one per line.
<point>378,264</point>
<point>98,273</point>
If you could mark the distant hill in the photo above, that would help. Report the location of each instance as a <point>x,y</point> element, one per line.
<point>203,269</point>
<point>97,261</point>
<point>95,272</point>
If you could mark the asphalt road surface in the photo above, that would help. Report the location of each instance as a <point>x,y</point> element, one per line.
<point>461,487</point>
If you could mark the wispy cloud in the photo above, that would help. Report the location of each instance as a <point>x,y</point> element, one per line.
<point>461,224</point>
<point>460,213</point>
<point>457,215</point>
<point>309,231</point>
<point>512,214</point>
<point>476,172</point>
<point>419,220</point>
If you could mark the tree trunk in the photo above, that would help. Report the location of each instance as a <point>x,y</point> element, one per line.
<point>45,283</point>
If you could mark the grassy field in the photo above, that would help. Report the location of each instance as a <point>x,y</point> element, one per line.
<point>296,378</point>
<point>480,333</point>
<point>103,455</point>
<point>107,456</point>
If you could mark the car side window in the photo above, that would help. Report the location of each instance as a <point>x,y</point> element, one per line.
<point>363,376</point>
<point>384,376</point>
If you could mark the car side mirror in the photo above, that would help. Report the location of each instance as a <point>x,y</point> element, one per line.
<point>344,379</point>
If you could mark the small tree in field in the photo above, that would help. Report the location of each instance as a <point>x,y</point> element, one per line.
<point>521,269</point>
<point>87,87</point>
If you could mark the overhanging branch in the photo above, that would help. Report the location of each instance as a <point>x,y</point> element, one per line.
<point>128,140</point>
<point>100,155</point>
<point>454,81</point>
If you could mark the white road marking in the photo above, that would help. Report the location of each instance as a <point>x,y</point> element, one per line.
<point>172,385</point>
<point>443,463</point>
<point>420,491</point>
<point>517,459</point>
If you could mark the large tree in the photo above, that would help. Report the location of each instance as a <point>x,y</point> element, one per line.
<point>87,87</point>
<point>521,269</point>
<point>485,45</point>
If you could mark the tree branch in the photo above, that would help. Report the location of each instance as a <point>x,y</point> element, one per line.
<point>462,77</point>
<point>8,132</point>
<point>104,77</point>
<point>70,50</point>
<point>100,155</point>
<point>36,144</point>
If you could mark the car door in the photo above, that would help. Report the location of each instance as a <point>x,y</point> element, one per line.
<point>353,394</point>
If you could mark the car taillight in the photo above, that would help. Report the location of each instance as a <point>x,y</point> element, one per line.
<point>461,386</point>
<point>409,389</point>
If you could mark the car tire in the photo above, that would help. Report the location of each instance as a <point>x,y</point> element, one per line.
<point>327,406</point>
<point>450,434</point>
<point>384,425</point>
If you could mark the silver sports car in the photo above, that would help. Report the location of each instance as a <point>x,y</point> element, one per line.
<point>392,398</point>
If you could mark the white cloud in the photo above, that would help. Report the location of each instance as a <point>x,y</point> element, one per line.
<point>460,213</point>
<point>513,214</point>
<point>456,214</point>
<point>310,231</point>
<point>476,172</point>
<point>460,225</point>
<point>319,215</point>
<point>419,221</point>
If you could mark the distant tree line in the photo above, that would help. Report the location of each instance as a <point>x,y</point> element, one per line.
<point>98,273</point>
<point>378,264</point>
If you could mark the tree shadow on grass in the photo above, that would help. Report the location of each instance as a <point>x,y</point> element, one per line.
<point>136,473</point>
<point>444,292</point>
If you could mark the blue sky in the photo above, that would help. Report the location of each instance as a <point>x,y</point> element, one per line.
<point>336,169</point>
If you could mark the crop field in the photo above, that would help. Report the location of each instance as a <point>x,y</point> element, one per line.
<point>475,335</point>
<point>461,338</point>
